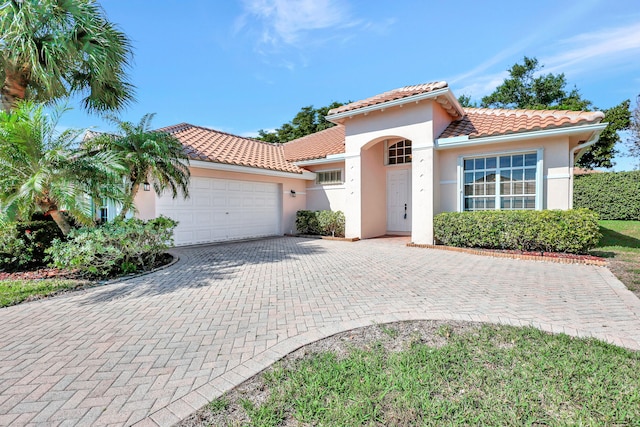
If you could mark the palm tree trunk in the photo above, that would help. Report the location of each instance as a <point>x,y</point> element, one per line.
<point>14,88</point>
<point>129,202</point>
<point>62,222</point>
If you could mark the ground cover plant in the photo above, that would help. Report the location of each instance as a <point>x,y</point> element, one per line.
<point>437,373</point>
<point>620,244</point>
<point>114,248</point>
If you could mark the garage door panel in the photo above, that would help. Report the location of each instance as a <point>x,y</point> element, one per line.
<point>220,209</point>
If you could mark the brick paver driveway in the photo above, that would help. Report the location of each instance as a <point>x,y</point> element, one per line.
<point>153,349</point>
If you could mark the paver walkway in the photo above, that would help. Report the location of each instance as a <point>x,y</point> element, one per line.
<point>153,349</point>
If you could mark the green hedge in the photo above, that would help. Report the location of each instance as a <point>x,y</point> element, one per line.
<point>612,195</point>
<point>324,223</point>
<point>573,231</point>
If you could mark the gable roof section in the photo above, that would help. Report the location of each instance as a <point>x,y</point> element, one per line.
<point>438,91</point>
<point>317,145</point>
<point>210,145</point>
<point>390,95</point>
<point>484,122</point>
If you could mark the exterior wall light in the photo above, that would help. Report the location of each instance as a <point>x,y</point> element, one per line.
<point>146,186</point>
<point>293,193</point>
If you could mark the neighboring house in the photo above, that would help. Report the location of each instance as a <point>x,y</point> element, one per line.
<point>392,162</point>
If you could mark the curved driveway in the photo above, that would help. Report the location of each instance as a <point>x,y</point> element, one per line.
<point>153,349</point>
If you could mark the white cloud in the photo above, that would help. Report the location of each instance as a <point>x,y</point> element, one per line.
<point>285,21</point>
<point>595,49</point>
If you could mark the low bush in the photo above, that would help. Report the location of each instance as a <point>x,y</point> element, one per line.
<point>307,222</point>
<point>114,248</point>
<point>612,195</point>
<point>23,244</point>
<point>324,223</point>
<point>573,231</point>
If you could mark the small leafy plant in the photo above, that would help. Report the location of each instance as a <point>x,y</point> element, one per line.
<point>115,248</point>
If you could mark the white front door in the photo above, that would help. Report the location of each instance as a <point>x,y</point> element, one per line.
<point>399,199</point>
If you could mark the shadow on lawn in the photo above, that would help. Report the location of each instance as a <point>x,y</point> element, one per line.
<point>613,238</point>
<point>202,266</point>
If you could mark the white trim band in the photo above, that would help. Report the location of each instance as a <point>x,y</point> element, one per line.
<point>306,175</point>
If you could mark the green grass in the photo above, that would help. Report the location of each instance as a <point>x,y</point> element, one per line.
<point>620,236</point>
<point>16,291</point>
<point>492,375</point>
<point>620,243</point>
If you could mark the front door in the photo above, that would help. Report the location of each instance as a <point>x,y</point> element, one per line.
<point>399,199</point>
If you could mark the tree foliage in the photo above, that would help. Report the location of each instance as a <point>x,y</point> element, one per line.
<point>51,49</point>
<point>42,170</point>
<point>634,148</point>
<point>308,120</point>
<point>153,157</point>
<point>526,87</point>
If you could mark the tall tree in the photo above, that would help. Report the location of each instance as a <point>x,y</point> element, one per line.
<point>308,120</point>
<point>526,87</point>
<point>51,49</point>
<point>634,141</point>
<point>42,170</point>
<point>149,156</point>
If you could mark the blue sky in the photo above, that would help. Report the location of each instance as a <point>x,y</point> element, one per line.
<point>239,66</point>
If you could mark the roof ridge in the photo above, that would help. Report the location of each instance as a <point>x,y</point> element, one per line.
<point>532,112</point>
<point>184,125</point>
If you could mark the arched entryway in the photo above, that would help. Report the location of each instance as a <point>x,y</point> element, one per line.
<point>386,176</point>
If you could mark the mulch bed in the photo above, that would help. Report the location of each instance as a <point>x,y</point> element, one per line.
<point>40,274</point>
<point>57,273</point>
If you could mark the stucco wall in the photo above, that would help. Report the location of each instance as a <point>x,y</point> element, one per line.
<point>146,201</point>
<point>366,173</point>
<point>326,197</point>
<point>555,170</point>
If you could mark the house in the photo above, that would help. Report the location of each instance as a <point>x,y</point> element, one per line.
<point>391,163</point>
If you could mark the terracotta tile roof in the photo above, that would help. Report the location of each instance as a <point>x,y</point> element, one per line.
<point>391,95</point>
<point>210,145</point>
<point>481,122</point>
<point>317,145</point>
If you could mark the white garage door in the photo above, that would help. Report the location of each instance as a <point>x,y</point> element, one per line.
<point>223,209</point>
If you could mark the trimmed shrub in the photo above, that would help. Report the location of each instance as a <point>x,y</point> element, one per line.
<point>331,223</point>
<point>573,231</point>
<point>323,223</point>
<point>115,248</point>
<point>307,222</point>
<point>612,195</point>
<point>23,244</point>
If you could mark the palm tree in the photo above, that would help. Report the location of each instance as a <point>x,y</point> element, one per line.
<point>51,49</point>
<point>150,157</point>
<point>42,170</point>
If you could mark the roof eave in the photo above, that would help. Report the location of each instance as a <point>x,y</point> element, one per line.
<point>303,174</point>
<point>455,111</point>
<point>464,141</point>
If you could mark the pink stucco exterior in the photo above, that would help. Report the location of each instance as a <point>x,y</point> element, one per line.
<point>442,135</point>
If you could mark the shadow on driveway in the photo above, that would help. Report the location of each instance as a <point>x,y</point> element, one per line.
<point>204,265</point>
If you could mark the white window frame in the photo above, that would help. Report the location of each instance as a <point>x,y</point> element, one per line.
<point>388,144</point>
<point>539,198</point>
<point>324,171</point>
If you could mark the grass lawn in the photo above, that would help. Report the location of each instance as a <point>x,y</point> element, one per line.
<point>482,375</point>
<point>621,244</point>
<point>16,291</point>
